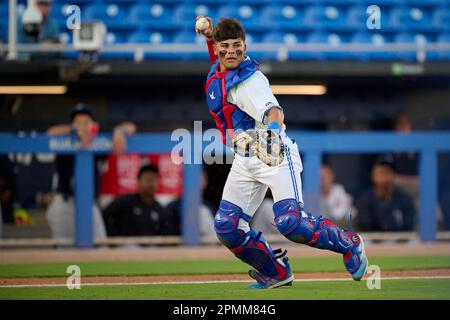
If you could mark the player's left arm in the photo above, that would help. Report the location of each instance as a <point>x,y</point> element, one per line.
<point>254,96</point>
<point>274,118</point>
<point>120,134</point>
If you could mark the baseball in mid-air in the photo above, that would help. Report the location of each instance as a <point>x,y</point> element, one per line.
<point>202,24</point>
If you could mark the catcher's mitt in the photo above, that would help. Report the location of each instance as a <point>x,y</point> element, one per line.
<point>264,144</point>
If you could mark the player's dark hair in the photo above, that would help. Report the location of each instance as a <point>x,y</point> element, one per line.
<point>147,168</point>
<point>228,29</point>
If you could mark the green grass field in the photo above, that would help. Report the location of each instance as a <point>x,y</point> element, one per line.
<point>390,289</point>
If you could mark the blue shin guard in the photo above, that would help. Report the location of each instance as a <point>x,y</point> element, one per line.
<point>250,247</point>
<point>304,228</point>
<point>321,233</point>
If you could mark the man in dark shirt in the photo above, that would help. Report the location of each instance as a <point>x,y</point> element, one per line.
<point>138,214</point>
<point>61,211</point>
<point>385,207</point>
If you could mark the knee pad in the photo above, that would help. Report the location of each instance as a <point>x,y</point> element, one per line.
<point>250,247</point>
<point>305,228</point>
<point>226,224</point>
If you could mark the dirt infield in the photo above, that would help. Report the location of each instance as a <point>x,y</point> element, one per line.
<point>20,256</point>
<point>211,278</point>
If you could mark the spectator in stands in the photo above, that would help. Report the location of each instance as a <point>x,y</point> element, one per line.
<point>385,207</point>
<point>206,214</point>
<point>335,201</point>
<point>60,213</point>
<point>406,163</point>
<point>48,30</point>
<point>138,214</point>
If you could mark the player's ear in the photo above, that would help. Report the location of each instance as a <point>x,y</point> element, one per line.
<point>216,51</point>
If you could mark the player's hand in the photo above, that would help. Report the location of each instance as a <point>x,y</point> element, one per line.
<point>119,141</point>
<point>242,143</point>
<point>208,32</point>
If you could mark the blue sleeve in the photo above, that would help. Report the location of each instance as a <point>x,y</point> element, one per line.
<point>51,30</point>
<point>22,37</point>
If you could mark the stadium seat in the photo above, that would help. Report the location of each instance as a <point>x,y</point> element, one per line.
<point>328,18</point>
<point>409,19</point>
<point>357,18</point>
<point>409,38</point>
<point>443,38</point>
<point>147,14</point>
<point>288,38</point>
<point>248,15</point>
<point>380,3</point>
<point>337,2</point>
<point>185,14</point>
<point>284,17</point>
<point>332,39</point>
<point>113,15</point>
<point>378,40</point>
<point>424,3</point>
<point>440,19</point>
<point>149,37</point>
<point>66,37</point>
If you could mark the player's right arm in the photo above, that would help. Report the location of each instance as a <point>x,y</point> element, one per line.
<point>209,41</point>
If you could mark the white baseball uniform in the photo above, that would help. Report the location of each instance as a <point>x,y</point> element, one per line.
<point>249,177</point>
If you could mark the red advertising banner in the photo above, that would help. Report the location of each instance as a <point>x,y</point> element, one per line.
<point>120,174</point>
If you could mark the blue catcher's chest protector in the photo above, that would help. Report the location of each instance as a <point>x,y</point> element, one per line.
<point>227,115</point>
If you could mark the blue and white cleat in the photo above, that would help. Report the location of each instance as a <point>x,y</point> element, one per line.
<point>355,260</point>
<point>284,278</point>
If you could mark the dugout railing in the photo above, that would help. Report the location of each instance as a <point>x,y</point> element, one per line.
<point>312,146</point>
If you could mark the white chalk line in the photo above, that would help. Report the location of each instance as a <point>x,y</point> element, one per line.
<point>98,284</point>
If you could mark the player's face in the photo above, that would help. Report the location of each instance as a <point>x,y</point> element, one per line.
<point>82,121</point>
<point>383,176</point>
<point>44,7</point>
<point>231,53</point>
<point>148,183</point>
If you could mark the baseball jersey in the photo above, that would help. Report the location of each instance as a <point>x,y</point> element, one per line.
<point>254,96</point>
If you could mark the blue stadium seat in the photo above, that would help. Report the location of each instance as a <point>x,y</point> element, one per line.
<point>409,38</point>
<point>378,40</point>
<point>288,38</point>
<point>298,2</point>
<point>443,38</point>
<point>380,3</point>
<point>190,37</point>
<point>66,37</point>
<point>185,14</point>
<point>337,2</point>
<point>328,18</point>
<point>248,15</point>
<point>147,14</point>
<point>114,38</point>
<point>409,19</point>
<point>150,37</point>
<point>424,3</point>
<point>113,15</point>
<point>332,39</point>
<point>76,2</point>
<point>440,19</point>
<point>285,17</point>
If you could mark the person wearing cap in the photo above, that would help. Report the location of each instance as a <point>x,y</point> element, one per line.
<point>49,30</point>
<point>60,213</point>
<point>385,207</point>
<point>138,213</point>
